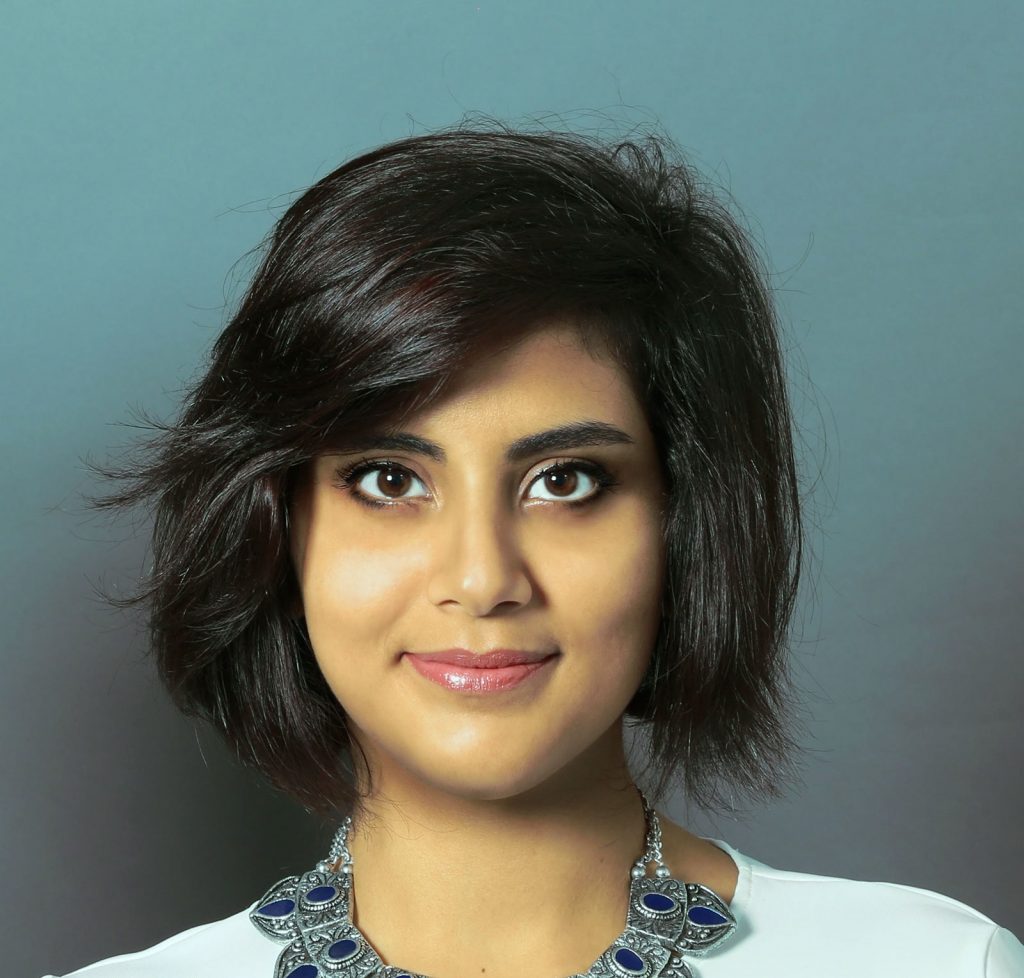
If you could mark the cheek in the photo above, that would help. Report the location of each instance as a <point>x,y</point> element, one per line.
<point>606,596</point>
<point>352,595</point>
<point>354,567</point>
<point>351,582</point>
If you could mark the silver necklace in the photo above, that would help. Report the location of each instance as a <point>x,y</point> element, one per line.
<point>667,919</point>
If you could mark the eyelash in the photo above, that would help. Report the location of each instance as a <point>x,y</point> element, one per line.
<point>348,477</point>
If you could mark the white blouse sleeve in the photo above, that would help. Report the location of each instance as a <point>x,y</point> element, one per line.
<point>1005,955</point>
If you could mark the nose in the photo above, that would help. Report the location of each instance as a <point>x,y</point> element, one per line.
<point>478,562</point>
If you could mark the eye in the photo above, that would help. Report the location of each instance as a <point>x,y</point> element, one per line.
<point>560,477</point>
<point>354,478</point>
<point>563,476</point>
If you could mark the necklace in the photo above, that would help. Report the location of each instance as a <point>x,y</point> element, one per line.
<point>667,918</point>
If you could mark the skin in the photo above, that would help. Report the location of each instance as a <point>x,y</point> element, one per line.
<point>496,820</point>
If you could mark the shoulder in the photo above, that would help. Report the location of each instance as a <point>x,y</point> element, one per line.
<point>228,948</point>
<point>847,926</point>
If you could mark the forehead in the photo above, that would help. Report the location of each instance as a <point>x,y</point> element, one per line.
<point>545,376</point>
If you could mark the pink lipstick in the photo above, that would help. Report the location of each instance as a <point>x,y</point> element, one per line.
<point>468,672</point>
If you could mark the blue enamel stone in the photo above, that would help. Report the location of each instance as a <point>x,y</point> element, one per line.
<point>321,894</point>
<point>304,971</point>
<point>277,908</point>
<point>629,960</point>
<point>658,901</point>
<point>705,916</point>
<point>340,950</point>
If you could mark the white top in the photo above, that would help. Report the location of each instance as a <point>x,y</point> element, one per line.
<point>789,925</point>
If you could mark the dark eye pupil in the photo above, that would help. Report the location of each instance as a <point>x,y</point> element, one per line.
<point>560,477</point>
<point>393,477</point>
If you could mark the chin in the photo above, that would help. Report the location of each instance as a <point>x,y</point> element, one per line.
<point>478,784</point>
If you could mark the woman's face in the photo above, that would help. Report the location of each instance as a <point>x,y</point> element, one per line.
<point>479,552</point>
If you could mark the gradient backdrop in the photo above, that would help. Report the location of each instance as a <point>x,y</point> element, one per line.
<point>875,150</point>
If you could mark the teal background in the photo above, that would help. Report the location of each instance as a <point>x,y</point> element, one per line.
<point>875,152</point>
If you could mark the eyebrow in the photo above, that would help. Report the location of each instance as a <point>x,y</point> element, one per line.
<point>573,434</point>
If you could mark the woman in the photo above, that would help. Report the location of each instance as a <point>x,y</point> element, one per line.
<point>495,458</point>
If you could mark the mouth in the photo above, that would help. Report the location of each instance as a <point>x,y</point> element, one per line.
<point>476,678</point>
<point>465,658</point>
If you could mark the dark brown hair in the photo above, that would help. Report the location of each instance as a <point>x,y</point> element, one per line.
<point>376,284</point>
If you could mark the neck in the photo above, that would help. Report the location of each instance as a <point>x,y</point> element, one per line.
<point>438,875</point>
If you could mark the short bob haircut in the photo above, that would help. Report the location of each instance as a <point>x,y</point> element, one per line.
<point>377,285</point>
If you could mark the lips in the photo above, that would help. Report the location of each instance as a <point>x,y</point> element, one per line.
<point>476,678</point>
<point>496,658</point>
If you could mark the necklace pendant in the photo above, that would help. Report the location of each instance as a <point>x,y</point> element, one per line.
<point>636,954</point>
<point>687,917</point>
<point>310,915</point>
<point>667,918</point>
